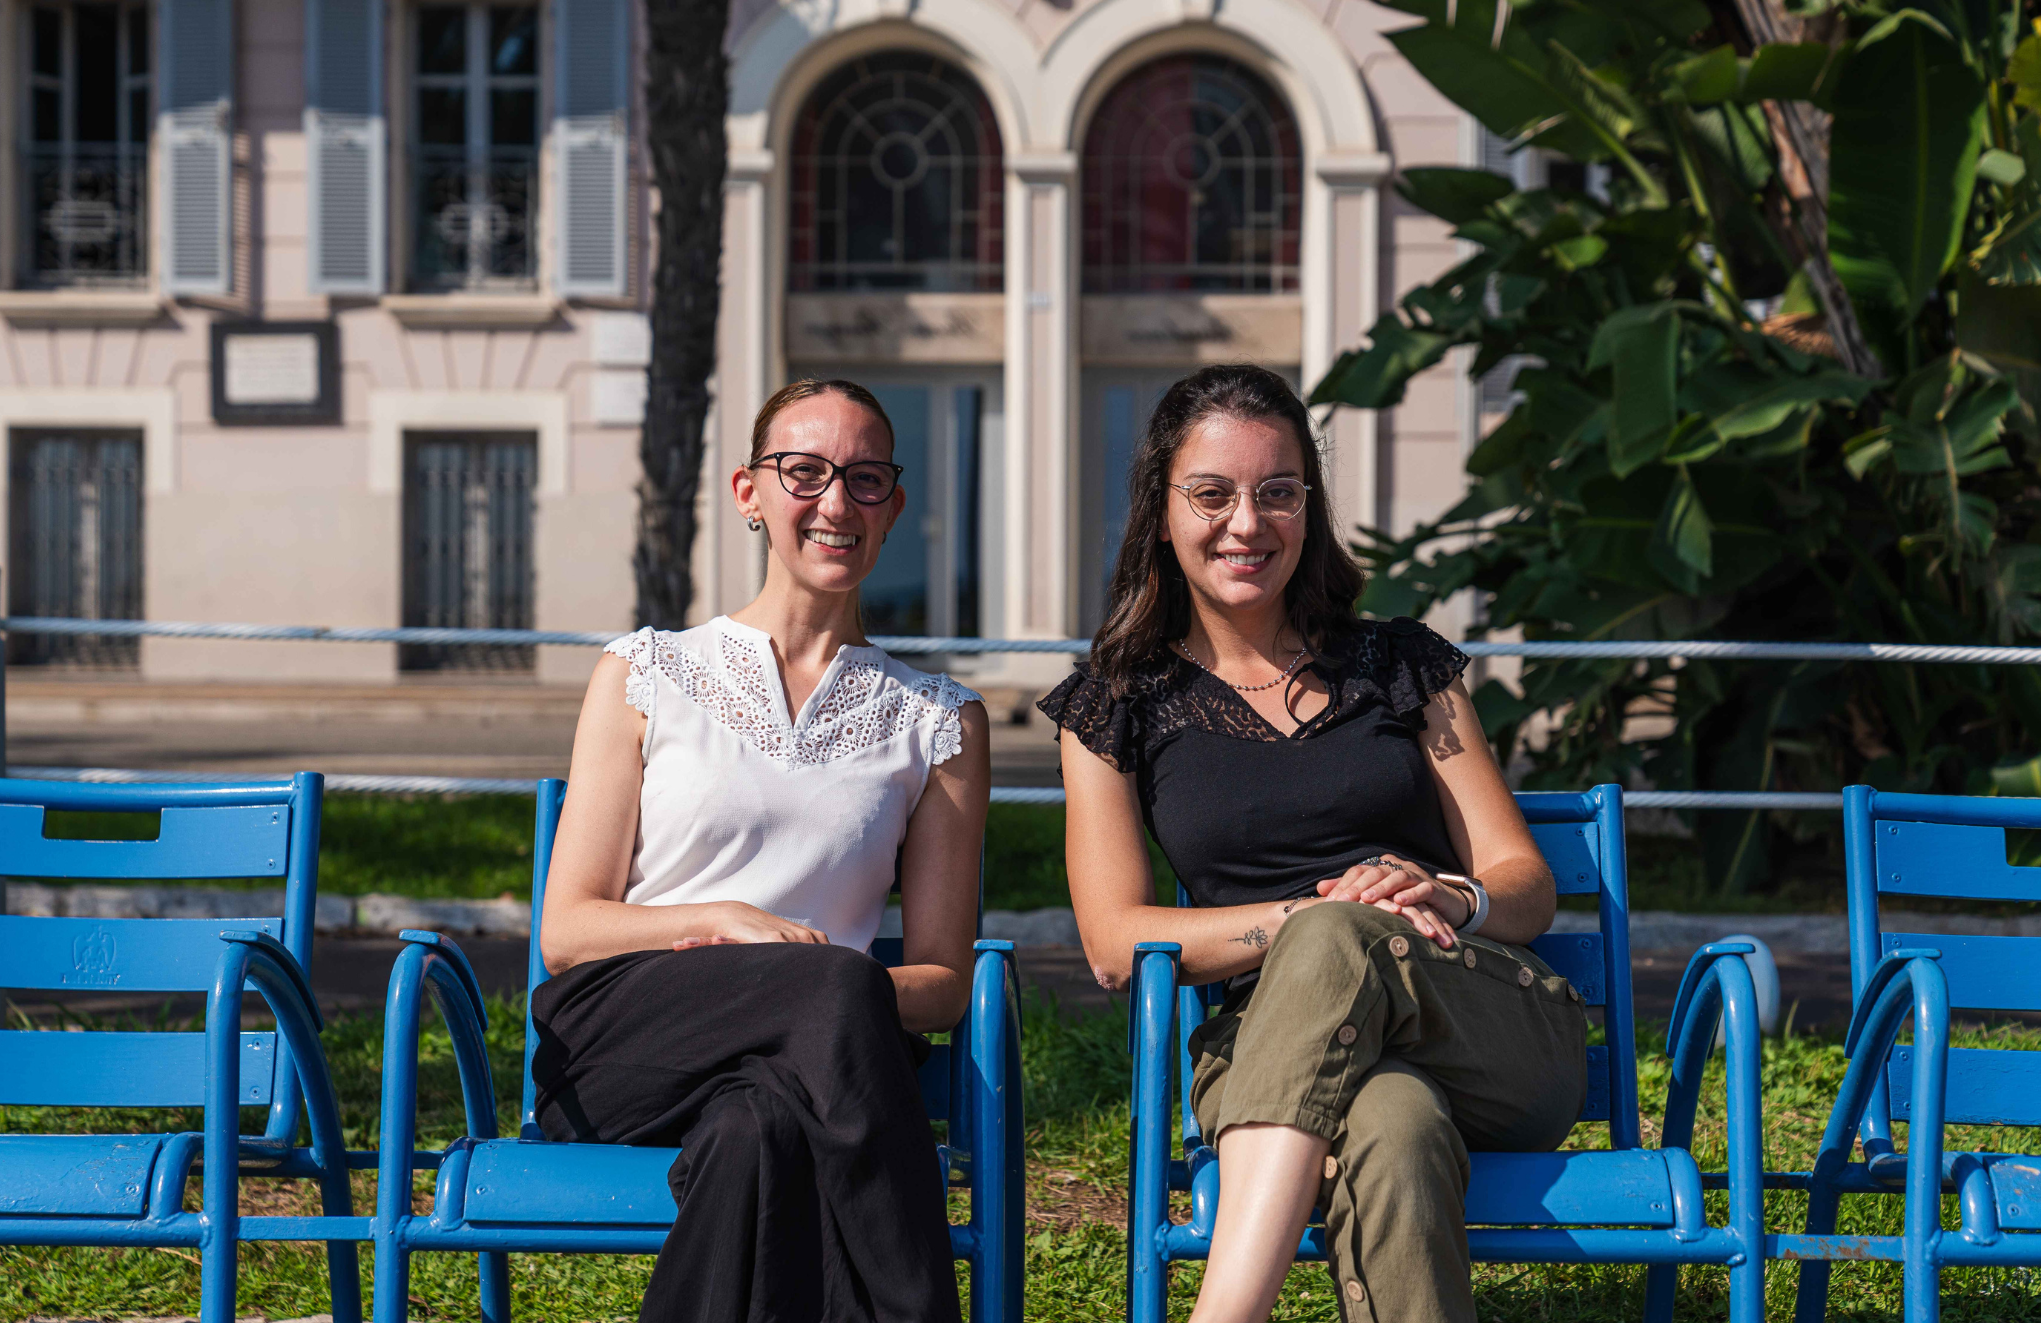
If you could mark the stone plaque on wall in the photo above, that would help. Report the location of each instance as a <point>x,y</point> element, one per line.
<point>275,373</point>
<point>896,328</point>
<point>1140,330</point>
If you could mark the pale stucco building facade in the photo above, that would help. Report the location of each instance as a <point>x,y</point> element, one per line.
<point>332,313</point>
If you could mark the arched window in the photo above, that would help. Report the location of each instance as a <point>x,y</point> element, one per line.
<point>897,180</point>
<point>1191,182</point>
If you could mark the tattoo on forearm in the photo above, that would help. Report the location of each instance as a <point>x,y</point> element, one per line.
<point>1293,904</point>
<point>1256,937</point>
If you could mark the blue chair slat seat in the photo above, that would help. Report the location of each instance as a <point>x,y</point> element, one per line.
<point>128,1189</point>
<point>1625,1204</point>
<point>1954,848</point>
<point>495,1195</point>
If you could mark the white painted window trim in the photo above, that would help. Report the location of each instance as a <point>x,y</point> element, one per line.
<point>392,413</point>
<point>153,409</point>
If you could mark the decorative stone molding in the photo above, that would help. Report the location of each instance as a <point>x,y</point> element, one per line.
<point>440,312</point>
<point>896,328</point>
<point>80,307</point>
<point>1182,330</point>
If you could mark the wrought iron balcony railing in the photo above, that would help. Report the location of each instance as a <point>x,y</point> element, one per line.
<point>87,213</point>
<point>475,222</point>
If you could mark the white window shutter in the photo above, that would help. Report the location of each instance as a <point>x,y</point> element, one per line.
<point>197,132</point>
<point>590,109</point>
<point>345,133</point>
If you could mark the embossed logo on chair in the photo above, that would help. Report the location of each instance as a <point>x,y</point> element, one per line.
<point>93,956</point>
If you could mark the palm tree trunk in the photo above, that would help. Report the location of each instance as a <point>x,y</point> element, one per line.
<point>687,94</point>
<point>1800,133</point>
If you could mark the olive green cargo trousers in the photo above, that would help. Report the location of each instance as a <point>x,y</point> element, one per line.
<point>1404,1056</point>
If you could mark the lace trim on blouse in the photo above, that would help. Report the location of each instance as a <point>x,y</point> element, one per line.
<point>1398,663</point>
<point>729,681</point>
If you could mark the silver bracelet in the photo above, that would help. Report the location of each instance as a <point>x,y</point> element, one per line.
<point>1480,902</point>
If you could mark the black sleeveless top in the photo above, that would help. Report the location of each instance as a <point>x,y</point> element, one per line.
<point>1246,814</point>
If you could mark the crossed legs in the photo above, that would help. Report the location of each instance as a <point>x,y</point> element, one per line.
<point>1355,1078</point>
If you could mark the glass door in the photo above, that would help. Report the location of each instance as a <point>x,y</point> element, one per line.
<point>931,577</point>
<point>1116,408</point>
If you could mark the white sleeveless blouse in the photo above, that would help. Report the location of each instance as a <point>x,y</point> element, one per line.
<point>801,814</point>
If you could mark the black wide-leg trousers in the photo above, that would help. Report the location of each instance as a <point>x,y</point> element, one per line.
<point>807,1181</point>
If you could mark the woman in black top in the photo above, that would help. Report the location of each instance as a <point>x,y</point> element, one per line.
<point>1361,875</point>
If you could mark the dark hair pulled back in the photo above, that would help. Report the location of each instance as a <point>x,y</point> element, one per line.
<point>1148,601</point>
<point>807,388</point>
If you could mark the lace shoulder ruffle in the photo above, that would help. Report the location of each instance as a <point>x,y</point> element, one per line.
<point>1087,709</point>
<point>945,695</point>
<point>1414,664</point>
<point>640,650</point>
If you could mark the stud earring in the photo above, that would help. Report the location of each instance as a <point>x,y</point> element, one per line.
<point>753,522</point>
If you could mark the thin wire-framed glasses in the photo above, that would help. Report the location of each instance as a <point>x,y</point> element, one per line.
<point>1215,498</point>
<point>805,476</point>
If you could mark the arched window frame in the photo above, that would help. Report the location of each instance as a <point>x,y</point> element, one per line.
<point>851,139</point>
<point>1156,146</point>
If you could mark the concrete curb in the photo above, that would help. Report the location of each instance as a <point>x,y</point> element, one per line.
<point>1805,934</point>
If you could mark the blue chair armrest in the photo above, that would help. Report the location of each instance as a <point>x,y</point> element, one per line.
<point>1717,989</point>
<point>1905,984</point>
<point>1890,967</point>
<point>462,969</point>
<point>256,957</point>
<point>1151,1037</point>
<point>1690,983</point>
<point>287,964</point>
<point>431,964</point>
<point>1708,995</point>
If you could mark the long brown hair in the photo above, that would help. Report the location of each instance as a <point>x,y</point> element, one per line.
<point>1149,602</point>
<point>807,388</point>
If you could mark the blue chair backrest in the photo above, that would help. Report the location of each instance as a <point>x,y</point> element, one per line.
<point>246,830</point>
<point>1581,836</point>
<point>936,1078</point>
<point>1950,847</point>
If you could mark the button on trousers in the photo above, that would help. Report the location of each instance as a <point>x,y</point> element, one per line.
<point>1405,1057</point>
<point>807,1182</point>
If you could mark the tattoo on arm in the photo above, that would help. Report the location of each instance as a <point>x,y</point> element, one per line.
<point>1294,904</point>
<point>1256,937</point>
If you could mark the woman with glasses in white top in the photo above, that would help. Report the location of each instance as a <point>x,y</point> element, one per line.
<point>743,796</point>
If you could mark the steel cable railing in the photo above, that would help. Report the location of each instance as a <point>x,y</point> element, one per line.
<point>1694,649</point>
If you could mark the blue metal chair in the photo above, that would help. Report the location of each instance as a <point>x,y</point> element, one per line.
<point>530,1195</point>
<point>128,1189</point>
<point>1626,1204</point>
<point>1953,847</point>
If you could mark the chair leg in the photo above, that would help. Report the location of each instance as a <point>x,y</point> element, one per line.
<point>1810,1301</point>
<point>1923,1289</point>
<point>495,1269</point>
<point>218,1263</point>
<point>393,1278</point>
<point>1747,1288</point>
<point>343,1271</point>
<point>1661,1288</point>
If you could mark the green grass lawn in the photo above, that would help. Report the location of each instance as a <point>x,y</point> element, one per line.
<point>479,847</point>
<point>1076,1078</point>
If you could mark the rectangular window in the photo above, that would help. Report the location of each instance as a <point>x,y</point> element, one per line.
<point>468,545</point>
<point>75,526</point>
<point>475,146</point>
<point>85,145</point>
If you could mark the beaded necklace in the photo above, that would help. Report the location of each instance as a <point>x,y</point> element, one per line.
<point>1288,671</point>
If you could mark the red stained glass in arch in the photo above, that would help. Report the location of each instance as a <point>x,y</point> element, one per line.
<point>1192,172</point>
<point>897,180</point>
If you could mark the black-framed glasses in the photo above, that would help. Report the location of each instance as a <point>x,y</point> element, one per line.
<point>805,476</point>
<point>1216,498</point>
